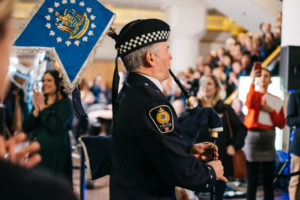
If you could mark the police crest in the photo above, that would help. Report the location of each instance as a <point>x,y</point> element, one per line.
<point>162,118</point>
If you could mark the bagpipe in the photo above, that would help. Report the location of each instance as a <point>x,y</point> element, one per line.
<point>98,149</point>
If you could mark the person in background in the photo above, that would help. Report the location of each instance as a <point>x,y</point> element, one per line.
<point>16,109</point>
<point>227,62</point>
<point>293,121</point>
<point>207,69</point>
<point>18,182</point>
<point>80,125</point>
<point>269,43</point>
<point>178,106</point>
<point>101,92</point>
<point>96,87</point>
<point>87,97</point>
<point>277,34</point>
<point>258,52</point>
<point>265,27</point>
<point>200,64</point>
<point>237,51</point>
<point>209,96</point>
<point>49,123</point>
<point>247,48</point>
<point>246,63</point>
<point>260,141</point>
<point>237,106</point>
<point>233,78</point>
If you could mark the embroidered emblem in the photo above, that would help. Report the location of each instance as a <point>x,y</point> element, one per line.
<point>72,22</point>
<point>162,118</point>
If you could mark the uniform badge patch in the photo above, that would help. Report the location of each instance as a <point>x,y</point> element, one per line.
<point>162,118</point>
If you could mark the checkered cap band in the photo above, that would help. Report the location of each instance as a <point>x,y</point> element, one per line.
<point>143,40</point>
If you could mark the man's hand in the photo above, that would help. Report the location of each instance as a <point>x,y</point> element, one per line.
<point>219,170</point>
<point>204,151</point>
<point>26,157</point>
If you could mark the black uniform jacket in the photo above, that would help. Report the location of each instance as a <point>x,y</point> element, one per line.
<point>19,183</point>
<point>149,158</point>
<point>293,120</point>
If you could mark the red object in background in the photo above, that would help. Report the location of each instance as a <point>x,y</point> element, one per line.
<point>257,66</point>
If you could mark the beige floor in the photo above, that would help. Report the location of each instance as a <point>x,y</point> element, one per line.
<point>101,186</point>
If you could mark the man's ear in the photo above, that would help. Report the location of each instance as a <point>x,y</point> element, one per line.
<point>149,59</point>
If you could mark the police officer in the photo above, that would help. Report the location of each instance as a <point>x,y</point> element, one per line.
<point>149,158</point>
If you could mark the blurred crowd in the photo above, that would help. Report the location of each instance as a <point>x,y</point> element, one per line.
<point>236,58</point>
<point>226,63</point>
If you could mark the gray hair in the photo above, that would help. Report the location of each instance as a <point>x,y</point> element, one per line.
<point>136,59</point>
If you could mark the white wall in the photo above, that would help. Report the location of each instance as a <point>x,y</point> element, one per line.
<point>245,12</point>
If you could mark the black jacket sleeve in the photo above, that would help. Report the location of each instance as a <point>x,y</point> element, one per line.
<point>171,157</point>
<point>292,115</point>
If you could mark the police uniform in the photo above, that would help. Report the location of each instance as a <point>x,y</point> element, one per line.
<point>149,158</point>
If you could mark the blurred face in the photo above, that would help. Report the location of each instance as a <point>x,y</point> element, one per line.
<point>236,67</point>
<point>241,38</point>
<point>237,106</point>
<point>196,75</point>
<point>226,61</point>
<point>248,43</point>
<point>162,61</point>
<point>5,44</point>
<point>245,61</point>
<point>207,69</point>
<point>220,52</point>
<point>200,62</point>
<point>49,86</point>
<point>278,17</point>
<point>265,79</point>
<point>208,87</point>
<point>266,28</point>
<point>237,53</point>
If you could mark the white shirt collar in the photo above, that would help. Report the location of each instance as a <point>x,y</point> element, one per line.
<point>155,81</point>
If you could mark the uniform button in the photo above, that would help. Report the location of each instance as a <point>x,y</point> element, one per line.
<point>207,185</point>
<point>209,168</point>
<point>211,176</point>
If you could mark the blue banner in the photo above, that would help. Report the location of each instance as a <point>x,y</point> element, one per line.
<point>70,30</point>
